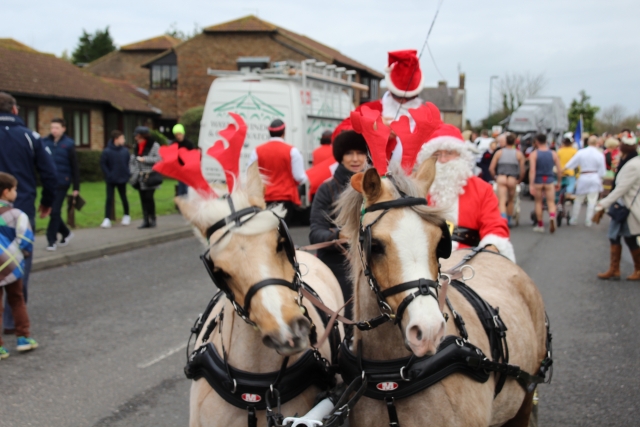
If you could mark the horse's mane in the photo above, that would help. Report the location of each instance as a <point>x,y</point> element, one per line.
<point>349,206</point>
<point>209,210</point>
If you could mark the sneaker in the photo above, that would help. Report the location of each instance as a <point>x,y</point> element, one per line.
<point>3,353</point>
<point>588,223</point>
<point>573,221</point>
<point>538,229</point>
<point>52,247</point>
<point>106,223</point>
<point>26,344</point>
<point>65,240</point>
<point>552,225</point>
<point>126,220</point>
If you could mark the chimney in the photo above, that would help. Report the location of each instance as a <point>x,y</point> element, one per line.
<point>442,83</point>
<point>461,84</point>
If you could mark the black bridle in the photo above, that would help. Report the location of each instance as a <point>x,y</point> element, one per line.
<point>424,287</point>
<point>237,219</point>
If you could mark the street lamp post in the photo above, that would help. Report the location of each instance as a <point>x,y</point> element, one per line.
<point>491,92</point>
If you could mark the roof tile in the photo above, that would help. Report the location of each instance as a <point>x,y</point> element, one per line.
<point>31,73</point>
<point>162,42</point>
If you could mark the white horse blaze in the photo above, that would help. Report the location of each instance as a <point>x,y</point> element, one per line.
<point>271,301</point>
<point>414,247</point>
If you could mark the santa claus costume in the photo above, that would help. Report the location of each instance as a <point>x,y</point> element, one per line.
<point>404,82</point>
<point>469,202</point>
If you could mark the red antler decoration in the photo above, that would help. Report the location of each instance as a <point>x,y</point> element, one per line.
<point>427,118</point>
<point>229,158</point>
<point>368,123</point>
<point>184,165</point>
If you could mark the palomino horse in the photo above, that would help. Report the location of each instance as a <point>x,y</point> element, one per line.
<point>246,255</point>
<point>403,249</point>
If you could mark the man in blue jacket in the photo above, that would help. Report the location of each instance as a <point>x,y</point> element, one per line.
<point>114,162</point>
<point>23,154</point>
<point>63,150</point>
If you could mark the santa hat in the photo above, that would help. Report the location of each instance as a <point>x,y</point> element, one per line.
<point>403,75</point>
<point>446,137</point>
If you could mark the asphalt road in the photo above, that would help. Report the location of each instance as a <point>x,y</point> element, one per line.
<point>112,335</point>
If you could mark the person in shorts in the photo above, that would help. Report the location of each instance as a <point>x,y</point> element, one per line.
<point>507,166</point>
<point>543,181</point>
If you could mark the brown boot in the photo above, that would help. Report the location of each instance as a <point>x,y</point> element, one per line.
<point>614,267</point>
<point>636,265</point>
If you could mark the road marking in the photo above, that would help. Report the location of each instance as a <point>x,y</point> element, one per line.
<point>162,356</point>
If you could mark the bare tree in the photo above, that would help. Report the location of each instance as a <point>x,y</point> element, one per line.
<point>515,88</point>
<point>611,118</point>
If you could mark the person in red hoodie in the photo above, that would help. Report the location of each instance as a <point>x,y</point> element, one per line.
<point>324,151</point>
<point>283,166</point>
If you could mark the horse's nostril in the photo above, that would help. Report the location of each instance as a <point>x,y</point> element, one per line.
<point>415,332</point>
<point>268,341</point>
<point>300,327</point>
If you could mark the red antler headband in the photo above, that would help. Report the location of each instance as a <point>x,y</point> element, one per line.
<point>184,165</point>
<point>368,123</point>
<point>229,158</point>
<point>427,118</point>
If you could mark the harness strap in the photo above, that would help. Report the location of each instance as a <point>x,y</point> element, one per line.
<point>252,420</point>
<point>344,405</point>
<point>264,283</point>
<point>393,414</point>
<point>234,217</point>
<point>397,203</point>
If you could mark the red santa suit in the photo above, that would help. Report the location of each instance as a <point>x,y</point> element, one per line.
<point>404,80</point>
<point>469,202</point>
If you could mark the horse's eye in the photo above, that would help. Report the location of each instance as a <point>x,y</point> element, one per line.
<point>377,248</point>
<point>220,272</point>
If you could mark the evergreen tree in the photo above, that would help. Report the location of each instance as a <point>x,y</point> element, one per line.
<point>582,107</point>
<point>92,46</point>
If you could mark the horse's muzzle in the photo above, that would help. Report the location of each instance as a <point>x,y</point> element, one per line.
<point>289,340</point>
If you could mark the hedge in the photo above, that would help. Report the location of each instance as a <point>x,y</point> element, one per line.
<point>191,121</point>
<point>89,165</point>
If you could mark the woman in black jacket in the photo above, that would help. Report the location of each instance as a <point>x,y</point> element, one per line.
<point>350,151</point>
<point>114,162</point>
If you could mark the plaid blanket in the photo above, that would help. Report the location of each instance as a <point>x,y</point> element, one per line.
<point>16,240</point>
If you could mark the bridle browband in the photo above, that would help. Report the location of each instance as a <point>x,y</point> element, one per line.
<point>423,286</point>
<point>237,219</point>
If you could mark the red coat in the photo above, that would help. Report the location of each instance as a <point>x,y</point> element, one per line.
<point>322,153</point>
<point>478,210</point>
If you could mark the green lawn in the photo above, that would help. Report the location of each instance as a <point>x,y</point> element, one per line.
<point>94,193</point>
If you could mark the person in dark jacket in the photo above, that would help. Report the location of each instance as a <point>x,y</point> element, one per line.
<point>350,151</point>
<point>22,155</point>
<point>485,162</point>
<point>114,162</point>
<point>145,155</point>
<point>179,134</point>
<point>63,150</point>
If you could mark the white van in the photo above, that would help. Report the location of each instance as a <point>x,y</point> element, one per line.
<point>310,97</point>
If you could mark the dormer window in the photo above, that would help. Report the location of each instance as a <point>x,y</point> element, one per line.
<point>164,72</point>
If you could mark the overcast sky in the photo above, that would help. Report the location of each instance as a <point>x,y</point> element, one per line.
<point>578,44</point>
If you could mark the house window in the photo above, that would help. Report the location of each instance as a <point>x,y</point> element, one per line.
<point>29,116</point>
<point>164,76</point>
<point>79,126</point>
<point>373,89</point>
<point>365,81</point>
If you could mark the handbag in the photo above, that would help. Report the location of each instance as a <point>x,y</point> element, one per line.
<point>151,179</point>
<point>619,212</point>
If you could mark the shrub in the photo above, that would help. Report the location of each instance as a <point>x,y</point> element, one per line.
<point>89,165</point>
<point>158,136</point>
<point>191,121</point>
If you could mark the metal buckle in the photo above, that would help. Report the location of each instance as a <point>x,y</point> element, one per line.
<point>235,386</point>
<point>495,322</point>
<point>402,374</point>
<point>473,272</point>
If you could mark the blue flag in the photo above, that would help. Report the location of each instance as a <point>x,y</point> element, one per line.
<point>577,134</point>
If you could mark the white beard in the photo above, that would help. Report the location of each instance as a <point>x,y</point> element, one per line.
<point>451,177</point>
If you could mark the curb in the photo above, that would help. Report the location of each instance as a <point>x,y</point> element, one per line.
<point>110,249</point>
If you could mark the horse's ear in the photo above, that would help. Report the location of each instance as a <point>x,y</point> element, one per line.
<point>426,174</point>
<point>255,186</point>
<point>189,207</point>
<point>372,185</point>
<point>356,181</point>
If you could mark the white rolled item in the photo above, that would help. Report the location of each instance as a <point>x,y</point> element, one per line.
<point>314,416</point>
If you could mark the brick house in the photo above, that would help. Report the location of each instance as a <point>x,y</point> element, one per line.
<point>126,63</point>
<point>178,77</point>
<point>46,87</point>
<point>451,101</point>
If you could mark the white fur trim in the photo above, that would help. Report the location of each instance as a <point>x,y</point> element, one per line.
<point>400,92</point>
<point>502,243</point>
<point>445,143</point>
